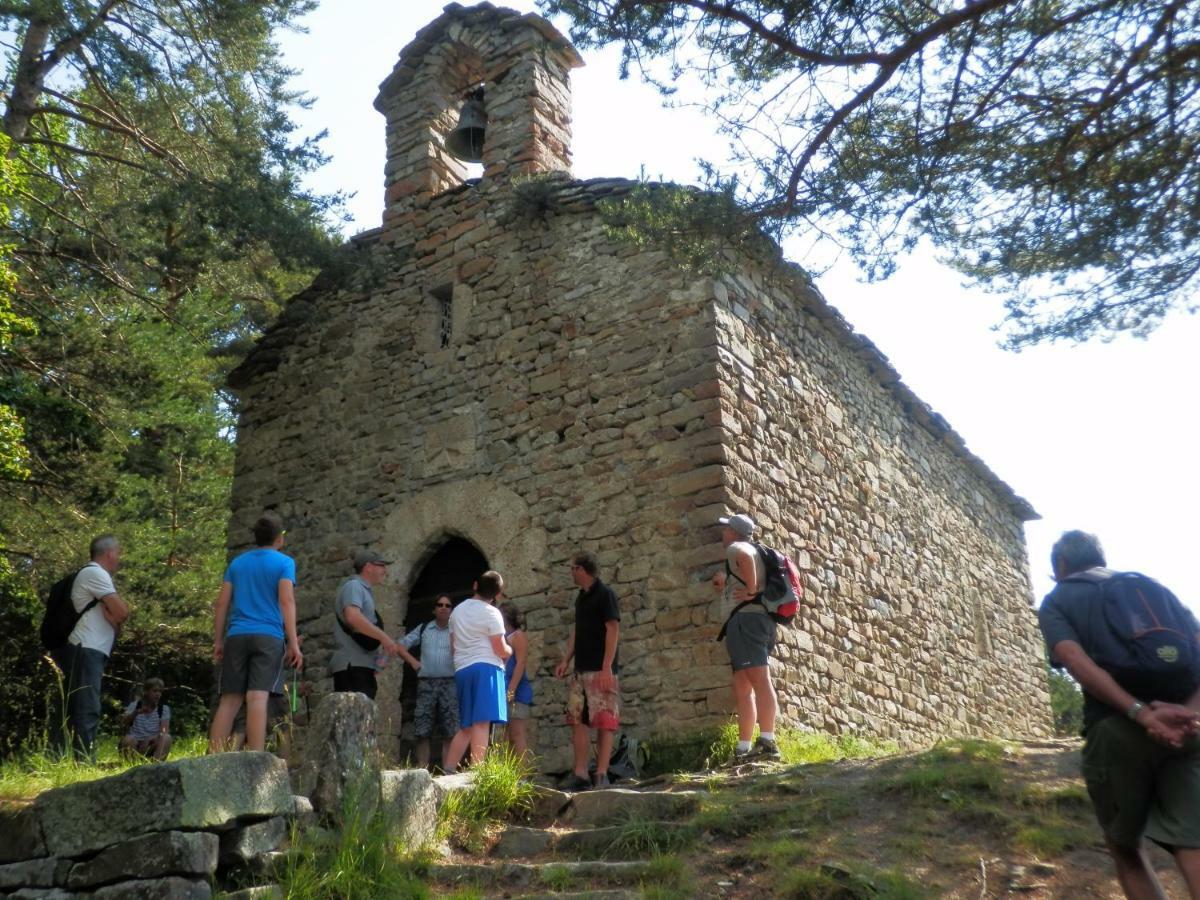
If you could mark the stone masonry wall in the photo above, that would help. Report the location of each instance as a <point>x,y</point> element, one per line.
<point>574,408</point>
<point>918,619</point>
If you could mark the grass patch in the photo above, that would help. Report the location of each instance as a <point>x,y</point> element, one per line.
<point>956,772</point>
<point>359,861</point>
<point>502,788</point>
<point>642,837</point>
<point>557,878</point>
<point>668,872</point>
<point>802,748</point>
<point>831,882</point>
<point>715,746</point>
<point>23,778</point>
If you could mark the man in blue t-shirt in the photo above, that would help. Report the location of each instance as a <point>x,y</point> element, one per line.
<point>258,597</point>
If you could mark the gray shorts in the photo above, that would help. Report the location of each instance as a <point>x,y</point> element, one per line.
<point>437,708</point>
<point>749,638</point>
<point>518,710</point>
<point>252,662</point>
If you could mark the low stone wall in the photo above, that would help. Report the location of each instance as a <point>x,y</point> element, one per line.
<point>175,830</point>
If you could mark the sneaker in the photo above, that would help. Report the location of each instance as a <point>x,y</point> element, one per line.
<point>765,749</point>
<point>574,782</point>
<point>601,781</point>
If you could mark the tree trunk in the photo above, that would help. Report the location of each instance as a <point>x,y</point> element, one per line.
<point>27,83</point>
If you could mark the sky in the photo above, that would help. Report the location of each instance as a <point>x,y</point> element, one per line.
<point>1097,436</point>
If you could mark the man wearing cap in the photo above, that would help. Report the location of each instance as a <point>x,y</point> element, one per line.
<point>358,634</point>
<point>749,637</point>
<point>258,599</point>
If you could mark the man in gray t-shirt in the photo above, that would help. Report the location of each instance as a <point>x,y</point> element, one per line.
<point>356,621</point>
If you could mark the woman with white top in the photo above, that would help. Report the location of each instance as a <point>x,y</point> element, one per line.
<point>479,649</point>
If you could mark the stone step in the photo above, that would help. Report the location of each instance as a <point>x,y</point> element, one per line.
<point>617,805</point>
<point>548,875</point>
<point>619,842</point>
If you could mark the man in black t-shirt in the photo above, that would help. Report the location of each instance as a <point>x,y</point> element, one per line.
<point>593,697</point>
<point>1141,757</point>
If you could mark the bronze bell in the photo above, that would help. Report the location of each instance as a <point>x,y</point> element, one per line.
<point>466,140</point>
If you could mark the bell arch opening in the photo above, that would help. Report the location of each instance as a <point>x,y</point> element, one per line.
<point>451,569</point>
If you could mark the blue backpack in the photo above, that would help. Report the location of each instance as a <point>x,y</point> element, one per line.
<point>1153,652</point>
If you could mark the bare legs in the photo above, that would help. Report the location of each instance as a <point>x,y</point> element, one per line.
<point>754,694</point>
<point>581,744</point>
<point>475,736</point>
<point>517,733</point>
<point>227,710</point>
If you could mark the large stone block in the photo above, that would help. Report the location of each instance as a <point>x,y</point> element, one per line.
<point>207,792</point>
<point>409,802</point>
<point>22,830</point>
<point>156,889</point>
<point>247,842</point>
<point>151,856</point>
<point>46,872</point>
<point>340,772</point>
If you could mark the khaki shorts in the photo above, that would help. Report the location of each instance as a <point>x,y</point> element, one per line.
<point>1140,788</point>
<point>588,705</point>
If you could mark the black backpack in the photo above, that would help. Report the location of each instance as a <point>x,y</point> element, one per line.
<point>1153,653</point>
<point>60,618</point>
<point>415,649</point>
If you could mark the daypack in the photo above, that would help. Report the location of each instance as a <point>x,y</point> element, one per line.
<point>1154,653</point>
<point>781,591</point>
<point>367,643</point>
<point>60,618</point>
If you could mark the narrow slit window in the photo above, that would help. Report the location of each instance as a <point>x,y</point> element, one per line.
<point>444,305</point>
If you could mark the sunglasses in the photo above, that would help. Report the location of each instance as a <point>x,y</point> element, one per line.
<point>441,606</point>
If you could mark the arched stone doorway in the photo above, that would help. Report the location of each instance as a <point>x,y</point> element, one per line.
<point>451,569</point>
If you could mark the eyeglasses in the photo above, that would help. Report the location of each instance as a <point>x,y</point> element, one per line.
<point>573,567</point>
<point>441,606</point>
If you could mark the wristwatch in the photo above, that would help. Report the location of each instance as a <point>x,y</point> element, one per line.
<point>1135,710</point>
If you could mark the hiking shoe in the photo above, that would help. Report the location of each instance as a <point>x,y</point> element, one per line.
<point>601,781</point>
<point>574,782</point>
<point>765,749</point>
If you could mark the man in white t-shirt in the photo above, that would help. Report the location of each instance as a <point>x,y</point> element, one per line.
<point>88,647</point>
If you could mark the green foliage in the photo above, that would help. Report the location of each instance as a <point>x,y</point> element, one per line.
<point>708,748</point>
<point>705,231</point>
<point>502,788</point>
<point>157,226</point>
<point>360,861</point>
<point>1048,149</point>
<point>831,882</point>
<point>1066,704</point>
<point>639,838</point>
<point>956,772</point>
<point>39,769</point>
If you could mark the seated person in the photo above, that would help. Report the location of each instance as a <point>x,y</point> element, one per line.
<point>148,721</point>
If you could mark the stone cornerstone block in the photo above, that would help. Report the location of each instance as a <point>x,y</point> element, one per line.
<point>409,803</point>
<point>152,856</point>
<point>209,792</point>
<point>341,758</point>
<point>22,830</point>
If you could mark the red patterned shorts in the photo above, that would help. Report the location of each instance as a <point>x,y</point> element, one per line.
<point>588,705</point>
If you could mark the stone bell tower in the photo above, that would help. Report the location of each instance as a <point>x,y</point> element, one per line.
<point>522,64</point>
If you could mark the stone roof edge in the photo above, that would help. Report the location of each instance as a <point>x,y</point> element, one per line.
<point>503,17</point>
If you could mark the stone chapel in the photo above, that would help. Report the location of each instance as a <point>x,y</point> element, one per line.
<point>482,389</point>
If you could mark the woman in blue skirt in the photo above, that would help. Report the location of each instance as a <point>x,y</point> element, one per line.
<point>479,649</point>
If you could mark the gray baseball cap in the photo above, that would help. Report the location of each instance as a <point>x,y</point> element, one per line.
<point>365,557</point>
<point>741,523</point>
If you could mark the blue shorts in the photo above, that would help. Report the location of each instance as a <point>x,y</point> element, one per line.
<point>480,694</point>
